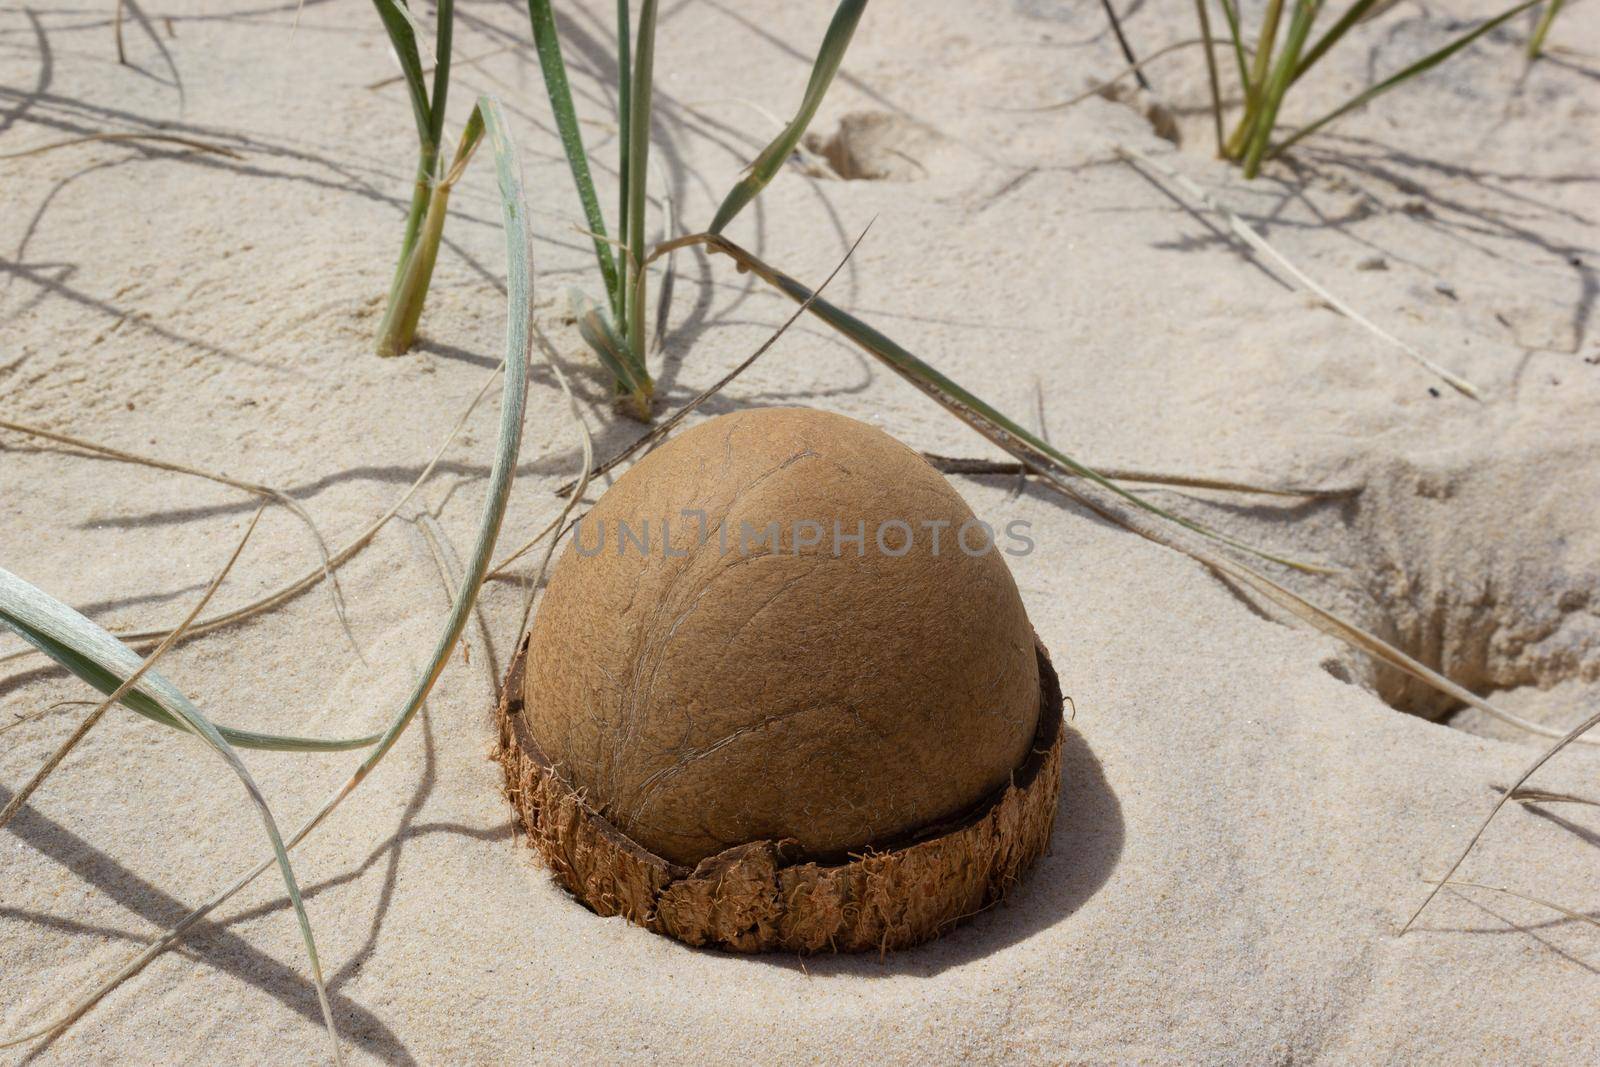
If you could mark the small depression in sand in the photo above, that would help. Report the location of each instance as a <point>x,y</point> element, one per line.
<point>1487,571</point>
<point>876,146</point>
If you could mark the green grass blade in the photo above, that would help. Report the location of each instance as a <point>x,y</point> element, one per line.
<point>619,299</point>
<point>1356,12</point>
<point>1231,13</point>
<point>1425,64</point>
<point>519,337</point>
<point>1536,42</point>
<point>28,610</point>
<point>1211,74</point>
<point>441,70</point>
<point>554,70</point>
<point>639,108</point>
<point>767,164</point>
<point>404,39</point>
<point>1305,13</point>
<point>95,656</point>
<point>601,336</point>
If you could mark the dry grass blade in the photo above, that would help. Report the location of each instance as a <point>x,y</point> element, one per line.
<point>1250,237</point>
<point>964,465</point>
<point>1572,736</point>
<point>502,569</point>
<point>32,716</point>
<point>311,578</point>
<point>96,138</point>
<point>1545,796</point>
<point>1096,90</point>
<point>1529,897</point>
<point>267,492</point>
<point>21,796</point>
<point>587,445</point>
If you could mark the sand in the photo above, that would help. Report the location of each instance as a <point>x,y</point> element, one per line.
<point>1245,821</point>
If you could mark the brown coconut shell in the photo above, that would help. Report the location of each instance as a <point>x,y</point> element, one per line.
<point>761,896</point>
<point>703,690</point>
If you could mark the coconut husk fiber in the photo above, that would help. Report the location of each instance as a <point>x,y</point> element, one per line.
<point>762,896</point>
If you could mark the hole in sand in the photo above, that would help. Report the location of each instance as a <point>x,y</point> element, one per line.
<point>1163,123</point>
<point>875,146</point>
<point>1488,571</point>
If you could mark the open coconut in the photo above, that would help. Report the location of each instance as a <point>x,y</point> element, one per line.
<point>782,692</point>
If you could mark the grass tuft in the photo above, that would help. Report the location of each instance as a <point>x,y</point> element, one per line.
<point>1276,66</point>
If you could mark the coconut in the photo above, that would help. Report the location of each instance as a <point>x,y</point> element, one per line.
<point>781,673</point>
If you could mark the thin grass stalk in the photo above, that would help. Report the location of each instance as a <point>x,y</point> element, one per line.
<point>1354,14</point>
<point>554,71</point>
<point>443,32</point>
<point>1573,735</point>
<point>403,39</point>
<point>1211,73</point>
<point>1122,43</point>
<point>491,120</point>
<point>1542,30</point>
<point>1426,63</point>
<point>1571,913</point>
<point>1305,12</point>
<point>1101,87</point>
<point>1231,14</point>
<point>586,443</point>
<point>639,112</point>
<point>20,797</point>
<point>829,56</point>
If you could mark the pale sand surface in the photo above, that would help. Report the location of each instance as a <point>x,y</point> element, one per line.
<point>1245,822</point>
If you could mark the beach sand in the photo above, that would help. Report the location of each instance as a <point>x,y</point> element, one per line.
<point>1247,818</point>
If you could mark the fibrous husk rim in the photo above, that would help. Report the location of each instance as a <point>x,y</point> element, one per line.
<point>760,896</point>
